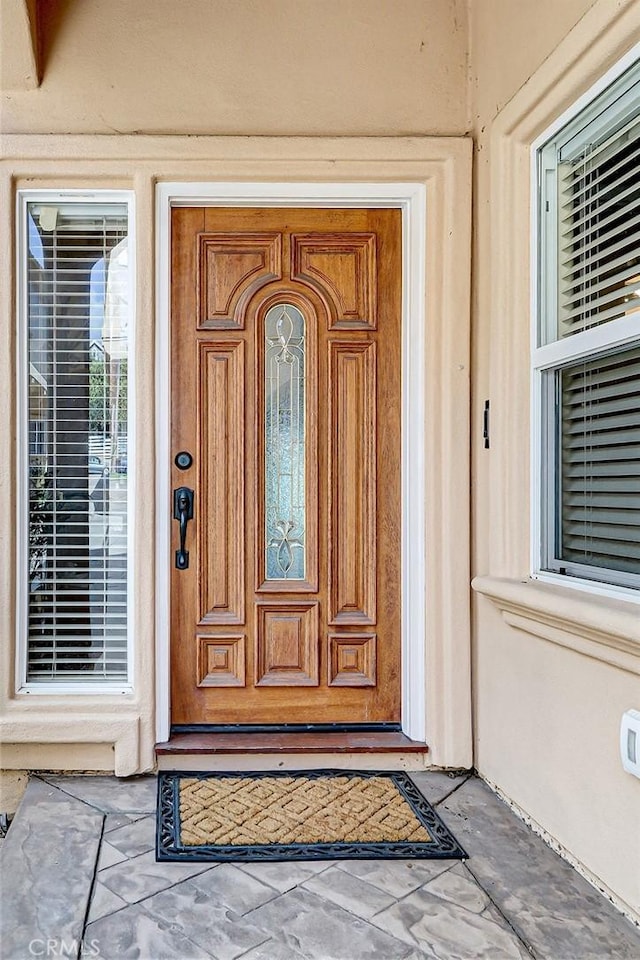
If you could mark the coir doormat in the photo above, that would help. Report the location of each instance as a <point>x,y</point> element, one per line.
<point>310,815</point>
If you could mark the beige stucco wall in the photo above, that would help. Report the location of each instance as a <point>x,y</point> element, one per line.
<point>442,166</point>
<point>116,73</point>
<point>553,669</point>
<point>247,67</point>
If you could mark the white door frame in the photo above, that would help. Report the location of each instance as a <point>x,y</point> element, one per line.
<point>411,199</point>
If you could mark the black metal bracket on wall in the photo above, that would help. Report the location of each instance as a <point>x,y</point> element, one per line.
<point>485,425</point>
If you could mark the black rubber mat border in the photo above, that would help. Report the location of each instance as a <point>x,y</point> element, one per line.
<point>443,845</point>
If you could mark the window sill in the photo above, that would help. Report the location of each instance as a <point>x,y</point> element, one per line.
<point>74,690</point>
<point>594,626</point>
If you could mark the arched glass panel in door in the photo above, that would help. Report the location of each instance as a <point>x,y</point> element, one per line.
<point>284,426</point>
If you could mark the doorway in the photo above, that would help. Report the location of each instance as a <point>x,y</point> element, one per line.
<point>286,448</point>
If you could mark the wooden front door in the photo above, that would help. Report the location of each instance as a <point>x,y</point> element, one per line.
<point>286,361</point>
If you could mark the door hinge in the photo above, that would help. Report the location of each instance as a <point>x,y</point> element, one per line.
<point>485,425</point>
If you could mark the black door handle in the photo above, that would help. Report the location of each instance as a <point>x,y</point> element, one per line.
<point>182,511</point>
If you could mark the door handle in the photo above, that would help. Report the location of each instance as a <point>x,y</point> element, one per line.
<point>183,512</point>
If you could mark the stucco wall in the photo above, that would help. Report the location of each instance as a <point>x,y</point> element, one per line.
<point>116,73</point>
<point>548,696</point>
<point>247,67</point>
<point>442,166</point>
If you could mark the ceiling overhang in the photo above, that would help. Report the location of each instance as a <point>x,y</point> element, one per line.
<point>20,65</point>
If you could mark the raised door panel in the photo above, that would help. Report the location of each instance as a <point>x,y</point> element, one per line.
<point>221,536</point>
<point>342,268</point>
<point>221,661</point>
<point>352,482</point>
<point>231,269</point>
<point>287,644</point>
<point>352,660</point>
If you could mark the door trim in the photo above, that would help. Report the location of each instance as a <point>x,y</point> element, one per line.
<point>411,198</point>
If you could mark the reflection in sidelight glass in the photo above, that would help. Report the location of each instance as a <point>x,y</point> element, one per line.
<point>77,278</point>
<point>284,443</point>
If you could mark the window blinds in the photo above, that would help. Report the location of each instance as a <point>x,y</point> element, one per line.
<point>589,277</point>
<point>77,442</point>
<point>599,231</point>
<point>600,462</point>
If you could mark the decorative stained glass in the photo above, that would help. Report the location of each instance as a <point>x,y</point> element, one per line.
<point>284,443</point>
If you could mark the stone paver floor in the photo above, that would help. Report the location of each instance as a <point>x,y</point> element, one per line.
<point>80,880</point>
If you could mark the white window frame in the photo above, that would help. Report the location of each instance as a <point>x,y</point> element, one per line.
<point>65,688</point>
<point>550,355</point>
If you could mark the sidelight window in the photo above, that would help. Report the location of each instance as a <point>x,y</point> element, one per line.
<point>76,311</point>
<point>587,359</point>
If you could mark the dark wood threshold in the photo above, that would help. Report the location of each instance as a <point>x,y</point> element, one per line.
<point>277,742</point>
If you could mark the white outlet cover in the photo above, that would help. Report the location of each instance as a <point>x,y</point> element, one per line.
<point>630,741</point>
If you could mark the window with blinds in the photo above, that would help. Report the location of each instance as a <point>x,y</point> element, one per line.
<point>77,304</point>
<point>599,454</point>
<point>589,367</point>
<point>599,232</point>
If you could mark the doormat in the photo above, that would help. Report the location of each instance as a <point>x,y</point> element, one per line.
<point>302,815</point>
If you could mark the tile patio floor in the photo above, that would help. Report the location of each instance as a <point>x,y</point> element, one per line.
<point>78,866</point>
